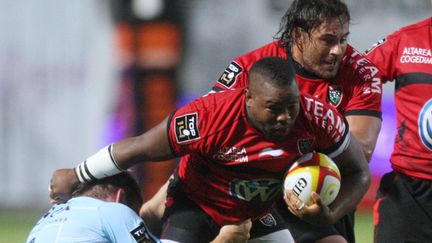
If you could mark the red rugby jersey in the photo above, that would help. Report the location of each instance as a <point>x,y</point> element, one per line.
<point>356,90</point>
<point>228,168</point>
<point>406,57</point>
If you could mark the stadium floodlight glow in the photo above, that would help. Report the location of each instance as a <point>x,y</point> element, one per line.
<point>147,9</point>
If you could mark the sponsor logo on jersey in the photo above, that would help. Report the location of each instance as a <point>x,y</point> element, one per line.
<point>425,124</point>
<point>268,220</point>
<point>271,152</point>
<point>255,191</point>
<point>380,42</point>
<point>186,127</point>
<point>305,145</point>
<point>141,234</point>
<point>416,55</point>
<point>228,77</point>
<point>334,95</point>
<point>232,154</point>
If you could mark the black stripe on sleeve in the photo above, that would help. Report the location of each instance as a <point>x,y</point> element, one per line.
<point>373,113</point>
<point>88,172</point>
<point>112,158</point>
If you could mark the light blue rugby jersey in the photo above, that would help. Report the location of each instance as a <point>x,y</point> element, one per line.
<point>85,219</point>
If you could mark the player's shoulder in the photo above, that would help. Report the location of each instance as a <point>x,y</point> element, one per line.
<point>426,23</point>
<point>273,48</point>
<point>115,208</point>
<point>207,116</point>
<point>213,100</point>
<point>356,67</point>
<point>97,206</point>
<point>354,59</point>
<point>407,32</point>
<point>85,200</point>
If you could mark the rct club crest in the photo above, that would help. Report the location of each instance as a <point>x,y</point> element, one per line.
<point>334,95</point>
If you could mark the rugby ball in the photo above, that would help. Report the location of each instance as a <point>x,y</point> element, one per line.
<point>314,172</point>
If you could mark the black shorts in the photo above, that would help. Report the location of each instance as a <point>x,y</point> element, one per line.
<point>267,224</point>
<point>403,210</point>
<point>185,221</point>
<point>304,232</point>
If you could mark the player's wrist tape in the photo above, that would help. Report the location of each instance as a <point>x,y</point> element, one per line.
<point>100,165</point>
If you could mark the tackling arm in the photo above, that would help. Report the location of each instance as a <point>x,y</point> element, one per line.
<point>150,146</point>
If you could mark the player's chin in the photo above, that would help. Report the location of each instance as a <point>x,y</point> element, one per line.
<point>329,71</point>
<point>278,134</point>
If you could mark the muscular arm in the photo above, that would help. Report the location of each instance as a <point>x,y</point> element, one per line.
<point>355,182</point>
<point>365,129</point>
<point>152,211</point>
<point>150,146</point>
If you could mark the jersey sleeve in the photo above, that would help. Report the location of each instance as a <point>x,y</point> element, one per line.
<point>234,76</point>
<point>367,88</point>
<point>122,225</point>
<point>382,55</point>
<point>186,128</point>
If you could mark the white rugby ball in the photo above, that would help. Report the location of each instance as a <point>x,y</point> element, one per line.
<point>314,172</point>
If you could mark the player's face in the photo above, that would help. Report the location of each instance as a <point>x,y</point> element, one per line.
<point>321,51</point>
<point>273,110</point>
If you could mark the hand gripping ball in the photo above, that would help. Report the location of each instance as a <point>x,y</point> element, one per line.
<point>314,172</point>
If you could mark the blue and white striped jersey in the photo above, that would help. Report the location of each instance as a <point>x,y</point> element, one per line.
<point>85,219</point>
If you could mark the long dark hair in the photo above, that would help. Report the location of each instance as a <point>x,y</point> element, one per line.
<point>307,15</point>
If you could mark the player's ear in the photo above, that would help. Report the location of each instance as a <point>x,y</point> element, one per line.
<point>247,94</point>
<point>120,196</point>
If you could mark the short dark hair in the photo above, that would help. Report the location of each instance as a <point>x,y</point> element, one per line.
<point>104,187</point>
<point>276,70</point>
<point>307,15</point>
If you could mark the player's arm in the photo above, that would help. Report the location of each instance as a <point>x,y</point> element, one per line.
<point>354,184</point>
<point>150,146</point>
<point>153,210</point>
<point>365,129</point>
<point>355,181</point>
<point>234,233</point>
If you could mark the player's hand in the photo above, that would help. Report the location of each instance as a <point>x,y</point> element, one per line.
<point>234,233</point>
<point>316,213</point>
<point>63,183</point>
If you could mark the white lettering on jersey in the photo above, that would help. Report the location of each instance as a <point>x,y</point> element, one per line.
<point>232,154</point>
<point>416,55</point>
<point>325,118</point>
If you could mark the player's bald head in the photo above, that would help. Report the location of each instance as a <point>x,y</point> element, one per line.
<point>272,97</point>
<point>275,71</point>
